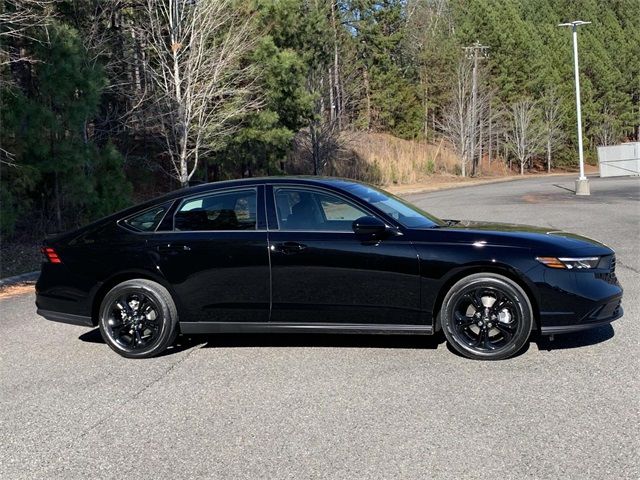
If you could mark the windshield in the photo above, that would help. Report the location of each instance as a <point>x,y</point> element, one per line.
<point>405,213</point>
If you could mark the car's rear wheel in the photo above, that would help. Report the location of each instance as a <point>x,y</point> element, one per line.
<point>486,316</point>
<point>138,318</point>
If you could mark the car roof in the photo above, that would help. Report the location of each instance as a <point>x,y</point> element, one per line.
<point>335,182</point>
<point>299,179</point>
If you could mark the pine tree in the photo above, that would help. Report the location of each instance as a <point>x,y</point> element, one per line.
<point>47,127</point>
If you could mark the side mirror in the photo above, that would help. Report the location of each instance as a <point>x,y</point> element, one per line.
<point>370,226</point>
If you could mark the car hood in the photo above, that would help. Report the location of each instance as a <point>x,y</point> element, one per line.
<point>546,240</point>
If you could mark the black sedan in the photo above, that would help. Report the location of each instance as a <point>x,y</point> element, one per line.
<point>309,254</point>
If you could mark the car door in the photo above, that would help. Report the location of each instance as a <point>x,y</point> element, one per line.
<point>322,272</point>
<point>214,253</point>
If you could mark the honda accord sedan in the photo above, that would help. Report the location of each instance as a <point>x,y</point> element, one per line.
<point>311,254</point>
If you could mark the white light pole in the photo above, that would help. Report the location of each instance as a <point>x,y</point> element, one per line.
<point>582,183</point>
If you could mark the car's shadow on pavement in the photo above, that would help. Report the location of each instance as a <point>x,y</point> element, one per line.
<point>565,341</point>
<point>240,340</point>
<point>181,343</point>
<point>336,340</point>
<point>584,338</point>
<point>236,340</point>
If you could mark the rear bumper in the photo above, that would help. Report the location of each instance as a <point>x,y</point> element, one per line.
<point>66,318</point>
<point>62,296</point>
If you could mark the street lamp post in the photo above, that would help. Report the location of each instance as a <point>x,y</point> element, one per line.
<point>582,183</point>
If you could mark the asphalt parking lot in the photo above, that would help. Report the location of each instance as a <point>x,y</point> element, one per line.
<point>343,407</point>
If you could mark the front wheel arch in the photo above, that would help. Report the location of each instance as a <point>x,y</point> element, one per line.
<point>483,334</point>
<point>503,270</point>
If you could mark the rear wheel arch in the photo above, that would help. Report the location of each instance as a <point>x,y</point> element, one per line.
<point>120,277</point>
<point>138,318</point>
<point>502,270</point>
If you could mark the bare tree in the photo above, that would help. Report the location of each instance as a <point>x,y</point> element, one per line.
<point>461,125</point>
<point>552,125</point>
<point>202,85</point>
<point>525,137</point>
<point>426,21</point>
<point>606,133</point>
<point>336,93</point>
<point>17,19</point>
<point>325,138</point>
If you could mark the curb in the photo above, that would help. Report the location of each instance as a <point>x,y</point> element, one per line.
<point>464,184</point>
<point>29,277</point>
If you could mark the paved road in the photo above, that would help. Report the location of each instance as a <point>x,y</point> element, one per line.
<point>249,406</point>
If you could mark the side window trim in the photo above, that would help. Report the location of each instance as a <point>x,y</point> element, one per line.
<point>224,191</point>
<point>321,190</point>
<point>122,222</point>
<point>270,208</point>
<point>261,209</point>
<point>168,218</point>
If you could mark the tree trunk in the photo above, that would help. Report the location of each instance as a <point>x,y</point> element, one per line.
<point>480,151</point>
<point>136,59</point>
<point>332,105</point>
<point>365,79</point>
<point>522,167</point>
<point>56,185</point>
<point>426,113</point>
<point>490,136</point>
<point>548,156</point>
<point>336,69</point>
<point>315,151</point>
<point>184,175</point>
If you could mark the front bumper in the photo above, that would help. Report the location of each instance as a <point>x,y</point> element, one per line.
<point>575,301</point>
<point>555,329</point>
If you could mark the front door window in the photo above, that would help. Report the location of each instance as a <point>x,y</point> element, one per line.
<point>314,211</point>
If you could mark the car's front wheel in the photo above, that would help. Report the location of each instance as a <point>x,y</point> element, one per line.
<point>486,316</point>
<point>138,318</point>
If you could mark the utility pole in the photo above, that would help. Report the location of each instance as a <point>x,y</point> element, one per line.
<point>582,183</point>
<point>474,51</point>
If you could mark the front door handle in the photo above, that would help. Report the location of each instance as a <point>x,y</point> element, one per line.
<point>173,248</point>
<point>288,247</point>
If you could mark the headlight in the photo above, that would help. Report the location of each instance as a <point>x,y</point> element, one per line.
<point>578,263</point>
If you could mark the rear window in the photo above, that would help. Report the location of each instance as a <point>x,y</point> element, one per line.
<point>148,220</point>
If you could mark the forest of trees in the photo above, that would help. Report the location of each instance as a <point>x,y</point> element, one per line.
<point>106,102</point>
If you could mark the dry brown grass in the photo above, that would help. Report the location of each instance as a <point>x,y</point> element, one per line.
<point>13,290</point>
<point>381,159</point>
<point>398,161</point>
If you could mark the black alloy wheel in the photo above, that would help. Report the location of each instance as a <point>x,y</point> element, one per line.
<point>487,316</point>
<point>138,318</point>
<point>133,320</point>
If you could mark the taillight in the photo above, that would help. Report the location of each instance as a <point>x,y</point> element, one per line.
<point>50,254</point>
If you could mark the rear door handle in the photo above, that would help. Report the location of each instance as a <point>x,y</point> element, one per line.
<point>173,248</point>
<point>288,247</point>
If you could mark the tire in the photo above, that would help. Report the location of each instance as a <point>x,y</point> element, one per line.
<point>486,316</point>
<point>138,318</point>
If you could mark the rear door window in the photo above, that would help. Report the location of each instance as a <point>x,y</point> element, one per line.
<point>235,210</point>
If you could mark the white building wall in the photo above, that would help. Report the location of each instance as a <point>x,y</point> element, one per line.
<point>619,160</point>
